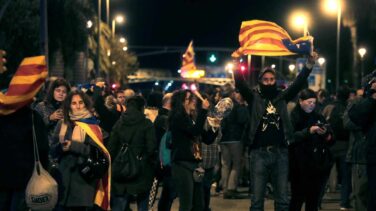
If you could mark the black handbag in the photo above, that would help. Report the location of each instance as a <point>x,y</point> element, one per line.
<point>95,166</point>
<point>127,165</point>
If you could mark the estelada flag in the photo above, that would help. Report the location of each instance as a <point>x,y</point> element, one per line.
<point>103,190</point>
<point>189,59</point>
<point>264,38</point>
<point>25,84</point>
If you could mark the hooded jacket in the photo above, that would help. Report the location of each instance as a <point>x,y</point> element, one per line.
<point>135,129</point>
<point>257,104</point>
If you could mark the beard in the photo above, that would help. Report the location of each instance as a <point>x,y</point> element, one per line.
<point>268,91</point>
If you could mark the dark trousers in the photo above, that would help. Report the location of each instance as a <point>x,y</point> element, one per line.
<point>305,188</point>
<point>207,186</point>
<point>269,164</point>
<point>190,193</point>
<point>121,202</point>
<point>371,172</point>
<point>168,191</point>
<point>12,200</point>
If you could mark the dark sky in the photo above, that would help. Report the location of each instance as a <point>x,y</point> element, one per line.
<point>216,23</point>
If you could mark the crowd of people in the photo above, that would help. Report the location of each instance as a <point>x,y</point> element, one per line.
<point>228,136</point>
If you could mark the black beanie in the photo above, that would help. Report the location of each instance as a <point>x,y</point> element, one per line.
<point>267,70</point>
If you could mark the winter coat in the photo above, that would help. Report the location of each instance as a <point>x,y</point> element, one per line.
<point>45,110</point>
<point>309,152</point>
<point>184,132</point>
<point>16,151</point>
<point>257,104</point>
<point>333,114</point>
<point>364,115</point>
<point>356,152</point>
<point>234,124</point>
<point>76,191</point>
<point>133,125</point>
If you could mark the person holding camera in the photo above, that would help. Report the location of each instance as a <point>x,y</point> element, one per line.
<point>310,157</point>
<point>363,114</point>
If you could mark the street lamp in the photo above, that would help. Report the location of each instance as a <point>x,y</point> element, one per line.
<point>122,40</point>
<point>321,61</point>
<point>118,19</point>
<point>335,6</point>
<point>273,66</point>
<point>291,67</point>
<point>299,20</point>
<point>125,48</point>
<point>89,24</point>
<point>230,68</point>
<point>362,52</point>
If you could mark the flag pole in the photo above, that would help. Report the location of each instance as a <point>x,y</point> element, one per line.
<point>249,60</point>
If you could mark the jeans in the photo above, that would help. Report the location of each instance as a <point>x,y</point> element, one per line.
<point>190,193</point>
<point>371,173</point>
<point>120,202</point>
<point>345,169</point>
<point>168,192</point>
<point>269,164</point>
<point>207,186</point>
<point>359,186</point>
<point>232,154</point>
<point>12,200</point>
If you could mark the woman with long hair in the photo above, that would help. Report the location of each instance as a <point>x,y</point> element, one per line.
<point>51,107</point>
<point>75,136</point>
<point>310,157</point>
<point>185,149</point>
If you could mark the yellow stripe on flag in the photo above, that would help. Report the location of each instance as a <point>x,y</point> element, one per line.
<point>34,60</point>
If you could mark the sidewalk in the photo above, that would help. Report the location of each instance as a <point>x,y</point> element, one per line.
<point>330,203</point>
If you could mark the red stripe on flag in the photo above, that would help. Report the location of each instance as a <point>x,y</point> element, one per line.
<point>96,131</point>
<point>15,105</point>
<point>274,51</point>
<point>23,89</point>
<point>283,36</point>
<point>246,28</point>
<point>31,69</point>
<point>267,41</point>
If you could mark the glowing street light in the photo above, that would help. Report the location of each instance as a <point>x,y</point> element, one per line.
<point>321,61</point>
<point>117,19</point>
<point>362,52</point>
<point>89,24</point>
<point>273,66</point>
<point>300,20</point>
<point>125,48</point>
<point>291,67</point>
<point>122,40</point>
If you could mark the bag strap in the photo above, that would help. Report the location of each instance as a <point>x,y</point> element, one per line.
<point>35,145</point>
<point>127,144</point>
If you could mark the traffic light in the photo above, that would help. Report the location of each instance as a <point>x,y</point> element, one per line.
<point>212,58</point>
<point>3,61</point>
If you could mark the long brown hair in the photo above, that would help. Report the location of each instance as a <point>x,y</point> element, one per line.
<point>67,103</point>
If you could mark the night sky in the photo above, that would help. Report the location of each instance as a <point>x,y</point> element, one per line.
<point>216,23</point>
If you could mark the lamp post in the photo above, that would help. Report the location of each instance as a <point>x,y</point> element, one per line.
<point>334,6</point>
<point>118,19</point>
<point>362,52</point>
<point>321,62</point>
<point>99,39</point>
<point>108,12</point>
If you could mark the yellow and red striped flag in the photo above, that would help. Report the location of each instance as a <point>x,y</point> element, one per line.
<point>25,84</point>
<point>264,38</point>
<point>189,59</point>
<point>103,190</point>
<point>188,68</point>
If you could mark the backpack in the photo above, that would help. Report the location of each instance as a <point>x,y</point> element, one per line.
<point>165,149</point>
<point>127,165</point>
